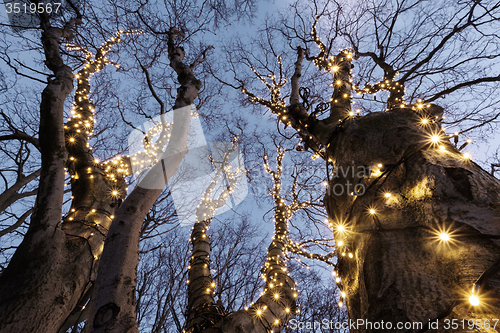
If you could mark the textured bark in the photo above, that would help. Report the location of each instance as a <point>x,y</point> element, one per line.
<point>38,287</point>
<point>52,271</point>
<point>400,271</point>
<point>113,308</point>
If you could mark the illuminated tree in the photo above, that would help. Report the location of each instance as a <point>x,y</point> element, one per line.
<point>418,243</point>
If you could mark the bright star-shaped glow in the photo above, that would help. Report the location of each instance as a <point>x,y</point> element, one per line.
<point>474,300</point>
<point>444,236</point>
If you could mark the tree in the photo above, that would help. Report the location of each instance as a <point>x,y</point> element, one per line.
<point>417,220</point>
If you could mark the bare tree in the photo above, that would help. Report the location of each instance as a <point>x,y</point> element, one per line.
<point>417,245</point>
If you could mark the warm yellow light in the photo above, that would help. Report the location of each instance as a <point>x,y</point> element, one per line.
<point>387,195</point>
<point>115,192</point>
<point>335,68</point>
<point>435,138</point>
<point>276,296</point>
<point>337,280</point>
<point>340,228</point>
<point>341,243</point>
<point>341,304</point>
<point>474,300</point>
<point>444,236</point>
<point>424,121</point>
<point>343,294</point>
<point>442,148</point>
<point>259,312</point>
<point>287,310</point>
<point>372,211</point>
<point>466,156</point>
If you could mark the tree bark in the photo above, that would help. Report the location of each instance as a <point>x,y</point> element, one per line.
<point>400,270</point>
<point>41,283</point>
<point>55,264</point>
<point>113,308</point>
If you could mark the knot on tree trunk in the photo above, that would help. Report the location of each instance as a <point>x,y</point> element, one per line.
<point>105,314</point>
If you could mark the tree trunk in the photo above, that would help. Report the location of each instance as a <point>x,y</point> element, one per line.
<point>400,270</point>
<point>113,307</point>
<point>40,284</point>
<point>56,263</point>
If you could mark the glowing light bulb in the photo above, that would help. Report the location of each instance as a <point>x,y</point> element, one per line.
<point>474,300</point>
<point>444,236</point>
<point>340,228</point>
<point>372,211</point>
<point>435,138</point>
<point>387,195</point>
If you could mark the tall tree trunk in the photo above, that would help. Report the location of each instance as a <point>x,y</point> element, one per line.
<point>277,303</point>
<point>113,307</point>
<point>55,264</point>
<point>38,287</point>
<point>401,271</point>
